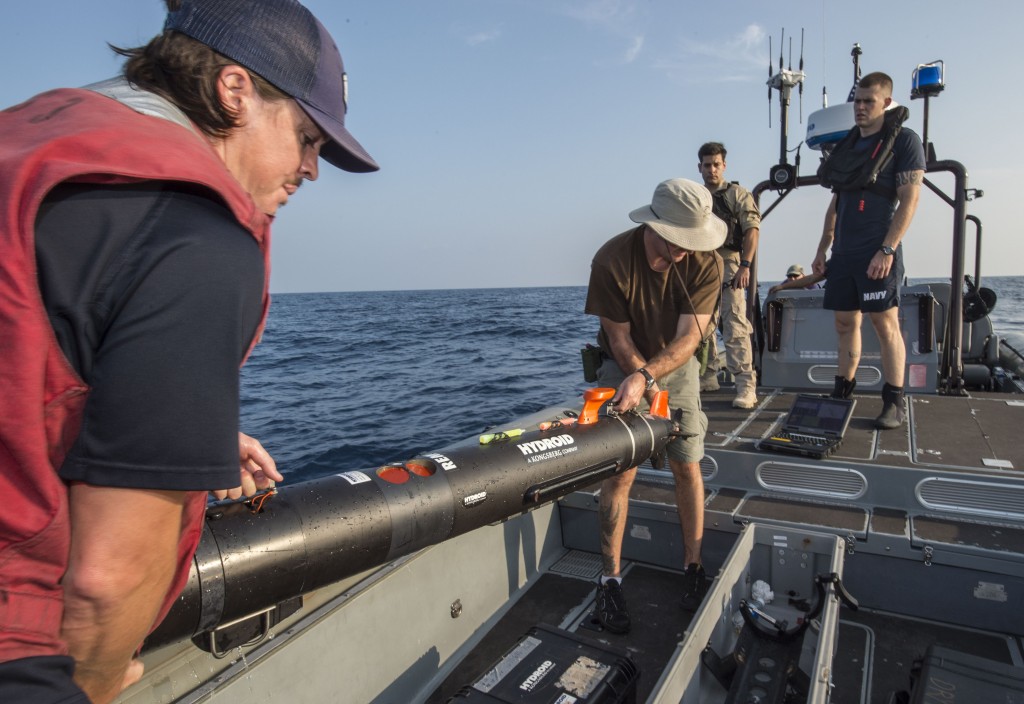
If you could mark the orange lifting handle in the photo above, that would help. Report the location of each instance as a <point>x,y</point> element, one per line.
<point>659,408</point>
<point>593,399</point>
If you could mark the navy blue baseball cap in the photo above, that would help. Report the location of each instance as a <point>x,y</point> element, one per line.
<point>284,43</point>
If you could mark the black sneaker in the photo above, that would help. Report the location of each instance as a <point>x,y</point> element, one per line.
<point>695,586</point>
<point>611,607</point>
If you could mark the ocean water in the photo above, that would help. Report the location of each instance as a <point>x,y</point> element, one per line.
<point>354,380</point>
<point>1008,315</point>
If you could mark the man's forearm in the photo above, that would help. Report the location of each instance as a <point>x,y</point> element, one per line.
<point>904,214</point>
<point>828,230</point>
<point>102,638</point>
<point>123,559</point>
<point>627,356</point>
<point>750,239</point>
<point>827,236</point>
<point>674,355</point>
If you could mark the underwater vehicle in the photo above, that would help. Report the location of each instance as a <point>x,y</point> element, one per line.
<point>257,558</point>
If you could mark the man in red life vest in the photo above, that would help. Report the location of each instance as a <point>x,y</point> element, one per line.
<point>134,226</point>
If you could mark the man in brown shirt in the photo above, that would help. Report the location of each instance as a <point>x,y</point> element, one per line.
<point>655,289</point>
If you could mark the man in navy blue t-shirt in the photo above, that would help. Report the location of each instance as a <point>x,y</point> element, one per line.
<point>864,228</point>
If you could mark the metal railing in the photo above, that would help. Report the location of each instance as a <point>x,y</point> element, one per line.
<point>950,372</point>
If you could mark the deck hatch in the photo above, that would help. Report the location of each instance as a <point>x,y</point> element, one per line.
<point>972,497</point>
<point>830,482</point>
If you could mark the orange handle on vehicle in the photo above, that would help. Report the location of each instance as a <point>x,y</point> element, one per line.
<point>659,407</point>
<point>593,399</point>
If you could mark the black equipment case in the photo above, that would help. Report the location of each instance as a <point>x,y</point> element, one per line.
<point>552,666</point>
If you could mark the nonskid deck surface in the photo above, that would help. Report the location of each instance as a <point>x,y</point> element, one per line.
<point>876,651</point>
<point>566,600</point>
<point>950,433</point>
<point>953,476</point>
<point>933,521</point>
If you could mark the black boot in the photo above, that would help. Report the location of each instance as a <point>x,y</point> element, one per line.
<point>892,408</point>
<point>844,387</point>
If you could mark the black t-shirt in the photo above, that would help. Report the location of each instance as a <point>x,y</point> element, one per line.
<point>863,217</point>
<point>625,289</point>
<point>154,292</point>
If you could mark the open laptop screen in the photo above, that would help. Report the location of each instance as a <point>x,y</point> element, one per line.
<point>826,415</point>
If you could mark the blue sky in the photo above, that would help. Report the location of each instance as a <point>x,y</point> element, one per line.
<point>515,135</point>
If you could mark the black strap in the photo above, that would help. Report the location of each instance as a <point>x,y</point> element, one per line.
<point>848,169</point>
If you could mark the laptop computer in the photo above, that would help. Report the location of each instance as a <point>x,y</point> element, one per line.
<point>814,427</point>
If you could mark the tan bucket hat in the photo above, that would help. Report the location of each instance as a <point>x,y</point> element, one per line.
<point>680,212</point>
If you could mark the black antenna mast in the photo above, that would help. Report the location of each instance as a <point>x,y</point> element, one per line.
<point>801,71</point>
<point>769,81</point>
<point>855,52</point>
<point>783,175</point>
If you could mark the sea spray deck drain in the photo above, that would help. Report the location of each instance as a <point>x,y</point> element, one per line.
<point>580,564</point>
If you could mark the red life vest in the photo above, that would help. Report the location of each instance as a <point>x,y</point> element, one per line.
<point>69,135</point>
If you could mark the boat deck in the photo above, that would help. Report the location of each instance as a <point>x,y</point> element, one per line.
<point>932,523</point>
<point>953,476</point>
<point>876,651</point>
<point>950,481</point>
<point>949,433</point>
<point>939,512</point>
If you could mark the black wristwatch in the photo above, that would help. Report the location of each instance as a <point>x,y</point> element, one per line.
<point>746,263</point>
<point>887,250</point>
<point>647,375</point>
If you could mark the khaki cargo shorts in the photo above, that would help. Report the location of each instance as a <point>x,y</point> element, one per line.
<point>683,386</point>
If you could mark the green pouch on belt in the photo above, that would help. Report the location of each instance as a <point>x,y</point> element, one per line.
<point>703,349</point>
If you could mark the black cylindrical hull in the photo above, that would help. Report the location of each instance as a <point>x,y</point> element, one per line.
<point>321,531</point>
